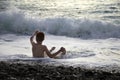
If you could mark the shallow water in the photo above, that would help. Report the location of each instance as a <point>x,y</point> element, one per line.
<point>94,52</point>
<point>89,29</point>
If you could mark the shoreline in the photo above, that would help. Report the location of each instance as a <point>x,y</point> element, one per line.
<point>33,70</point>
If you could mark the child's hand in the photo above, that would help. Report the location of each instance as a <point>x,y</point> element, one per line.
<point>62,49</point>
<point>36,31</point>
<point>53,48</point>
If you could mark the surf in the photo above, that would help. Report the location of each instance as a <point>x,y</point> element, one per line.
<point>19,23</point>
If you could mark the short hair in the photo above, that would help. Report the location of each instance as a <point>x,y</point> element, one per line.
<point>40,37</point>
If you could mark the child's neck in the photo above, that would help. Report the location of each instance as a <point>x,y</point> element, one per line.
<point>39,43</point>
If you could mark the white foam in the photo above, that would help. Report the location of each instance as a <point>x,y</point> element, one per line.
<point>78,50</point>
<point>15,21</point>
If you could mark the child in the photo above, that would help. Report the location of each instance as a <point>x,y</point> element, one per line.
<point>39,50</point>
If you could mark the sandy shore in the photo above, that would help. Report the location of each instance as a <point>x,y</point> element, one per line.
<point>17,70</point>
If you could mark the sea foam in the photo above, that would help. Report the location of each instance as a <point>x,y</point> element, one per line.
<point>15,21</point>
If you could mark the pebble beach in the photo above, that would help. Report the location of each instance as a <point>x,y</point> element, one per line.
<point>27,70</point>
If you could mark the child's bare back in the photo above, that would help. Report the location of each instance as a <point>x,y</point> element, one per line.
<point>40,50</point>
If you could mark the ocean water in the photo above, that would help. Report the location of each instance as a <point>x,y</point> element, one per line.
<point>88,29</point>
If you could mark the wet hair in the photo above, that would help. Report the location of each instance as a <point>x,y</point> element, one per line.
<point>40,37</point>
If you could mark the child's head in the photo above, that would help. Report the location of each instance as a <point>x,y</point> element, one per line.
<point>40,37</point>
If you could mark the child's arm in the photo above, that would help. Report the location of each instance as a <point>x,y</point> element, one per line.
<point>52,55</point>
<point>32,37</point>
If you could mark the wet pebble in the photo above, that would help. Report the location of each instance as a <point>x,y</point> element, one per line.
<point>19,71</point>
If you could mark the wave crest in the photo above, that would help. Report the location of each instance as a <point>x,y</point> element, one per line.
<point>17,22</point>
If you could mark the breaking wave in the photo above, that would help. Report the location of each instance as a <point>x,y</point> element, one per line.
<point>19,23</point>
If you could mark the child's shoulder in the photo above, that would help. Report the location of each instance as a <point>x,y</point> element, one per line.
<point>44,46</point>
